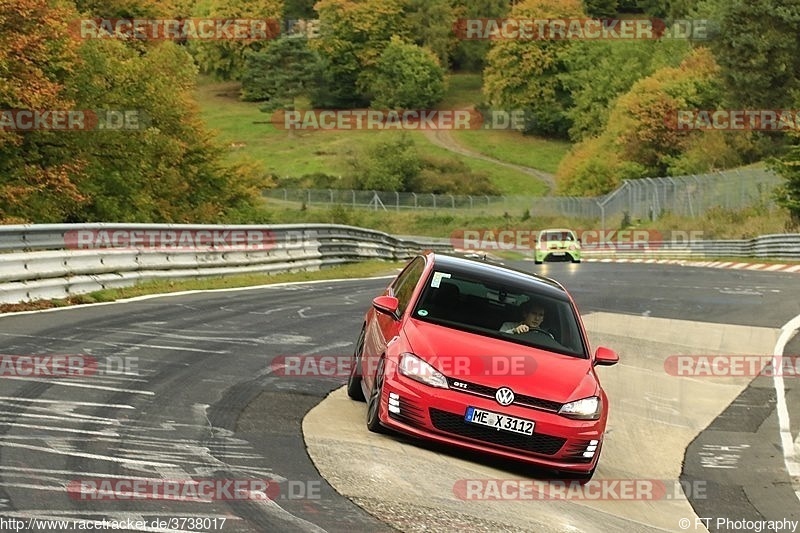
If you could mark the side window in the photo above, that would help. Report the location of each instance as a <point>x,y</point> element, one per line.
<point>403,287</point>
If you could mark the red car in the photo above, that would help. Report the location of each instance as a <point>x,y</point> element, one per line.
<point>486,358</point>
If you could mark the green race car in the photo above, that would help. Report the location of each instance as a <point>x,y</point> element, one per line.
<point>557,245</point>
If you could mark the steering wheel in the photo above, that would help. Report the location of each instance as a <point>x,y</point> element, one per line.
<point>542,331</point>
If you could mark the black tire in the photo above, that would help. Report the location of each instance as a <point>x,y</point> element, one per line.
<point>354,379</point>
<point>583,477</point>
<point>373,403</point>
<point>537,262</point>
<point>576,260</point>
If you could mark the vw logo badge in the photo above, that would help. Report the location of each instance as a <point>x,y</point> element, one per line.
<point>504,396</point>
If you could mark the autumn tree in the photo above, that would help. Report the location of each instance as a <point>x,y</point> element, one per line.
<point>527,74</point>
<point>36,53</point>
<point>598,72</point>
<point>168,167</point>
<point>225,58</point>
<point>353,35</point>
<point>641,138</point>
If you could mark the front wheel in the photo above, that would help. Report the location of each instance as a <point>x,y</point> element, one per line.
<point>374,401</point>
<point>354,390</point>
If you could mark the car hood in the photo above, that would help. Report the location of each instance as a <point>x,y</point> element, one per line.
<point>498,363</point>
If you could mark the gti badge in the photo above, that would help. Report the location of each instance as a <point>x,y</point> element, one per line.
<point>504,396</point>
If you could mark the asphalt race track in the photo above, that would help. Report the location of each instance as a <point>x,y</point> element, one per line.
<point>188,388</point>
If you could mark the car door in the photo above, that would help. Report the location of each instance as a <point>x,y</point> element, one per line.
<point>381,328</point>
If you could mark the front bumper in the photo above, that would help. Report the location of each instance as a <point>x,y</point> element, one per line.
<point>438,415</point>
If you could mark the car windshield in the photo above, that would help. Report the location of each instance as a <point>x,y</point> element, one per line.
<point>557,236</point>
<point>479,306</point>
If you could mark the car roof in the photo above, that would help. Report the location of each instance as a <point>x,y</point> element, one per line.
<point>556,230</point>
<point>499,274</point>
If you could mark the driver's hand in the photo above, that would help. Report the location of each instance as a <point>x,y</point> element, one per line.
<point>522,328</point>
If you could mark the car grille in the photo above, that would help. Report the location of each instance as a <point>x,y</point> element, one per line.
<point>536,443</point>
<point>489,392</point>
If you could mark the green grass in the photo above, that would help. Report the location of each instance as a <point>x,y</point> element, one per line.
<point>463,91</point>
<point>423,222</point>
<point>251,138</point>
<point>354,270</point>
<point>514,147</point>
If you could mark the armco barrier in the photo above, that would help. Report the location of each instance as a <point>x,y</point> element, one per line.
<point>46,261</point>
<point>784,247</point>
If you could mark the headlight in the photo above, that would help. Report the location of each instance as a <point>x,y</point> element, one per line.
<point>586,409</point>
<point>417,369</point>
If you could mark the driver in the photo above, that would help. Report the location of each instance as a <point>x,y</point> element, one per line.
<point>532,317</point>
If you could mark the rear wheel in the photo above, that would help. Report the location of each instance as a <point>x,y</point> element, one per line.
<point>374,401</point>
<point>354,379</point>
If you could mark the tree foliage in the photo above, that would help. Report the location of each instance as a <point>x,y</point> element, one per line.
<point>470,55</point>
<point>757,49</point>
<point>407,77</point>
<point>788,194</point>
<point>353,35</point>
<point>167,170</point>
<point>527,74</point>
<point>225,59</point>
<point>431,26</point>
<point>284,70</point>
<point>598,72</point>
<point>36,54</point>
<point>640,138</point>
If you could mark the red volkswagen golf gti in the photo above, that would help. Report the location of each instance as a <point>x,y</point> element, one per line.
<point>486,358</point>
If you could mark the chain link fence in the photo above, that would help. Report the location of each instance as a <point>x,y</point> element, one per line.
<point>646,198</point>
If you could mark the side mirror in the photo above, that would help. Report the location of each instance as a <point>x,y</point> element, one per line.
<point>386,304</point>
<point>605,357</point>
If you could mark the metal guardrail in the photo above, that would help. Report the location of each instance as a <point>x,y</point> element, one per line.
<point>779,246</point>
<point>48,261</point>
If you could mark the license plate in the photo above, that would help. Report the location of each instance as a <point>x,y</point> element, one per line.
<point>559,253</point>
<point>498,421</point>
